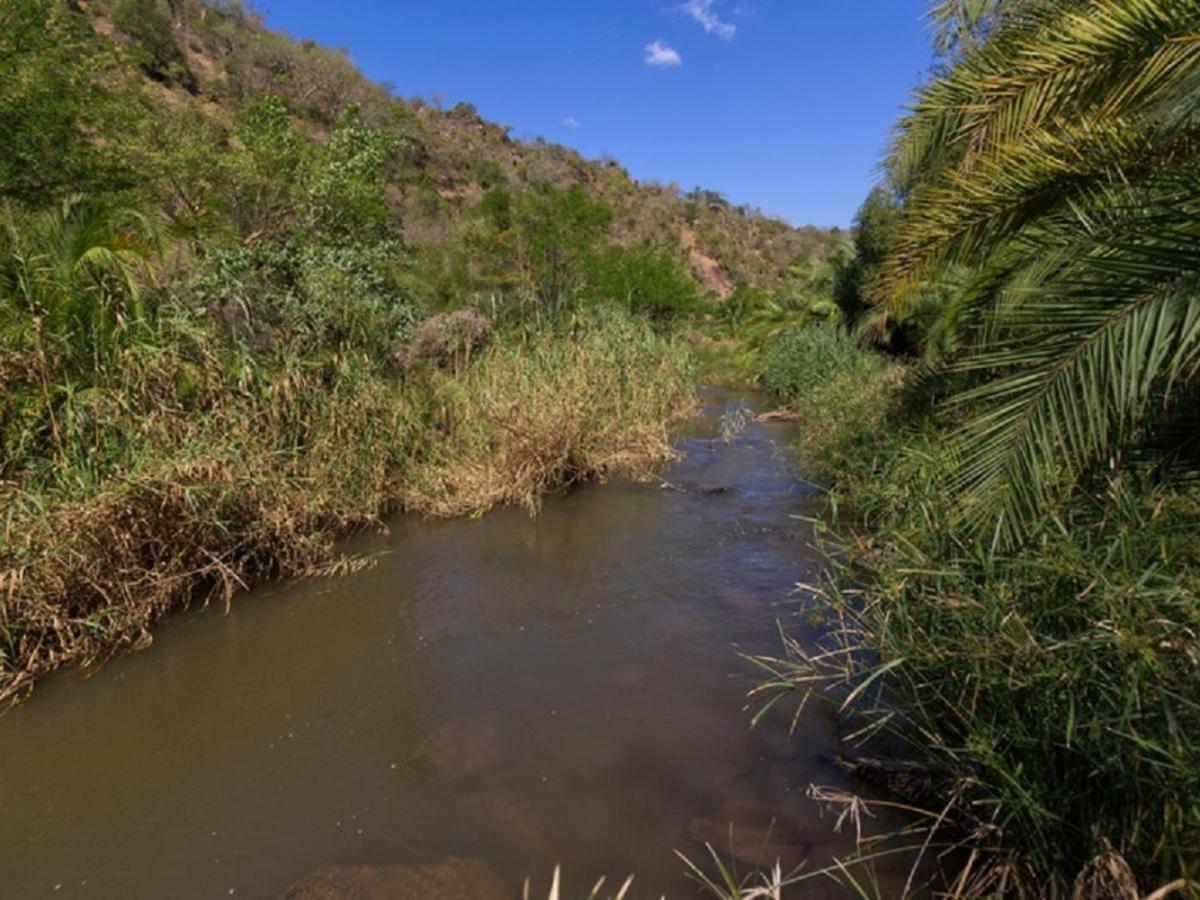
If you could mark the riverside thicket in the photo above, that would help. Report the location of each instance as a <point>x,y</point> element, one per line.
<point>1012,447</point>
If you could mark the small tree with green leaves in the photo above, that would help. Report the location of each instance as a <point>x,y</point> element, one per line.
<point>557,231</point>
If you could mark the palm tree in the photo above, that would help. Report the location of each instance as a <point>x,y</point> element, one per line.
<point>1056,157</point>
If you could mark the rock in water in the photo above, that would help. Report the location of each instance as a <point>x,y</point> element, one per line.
<point>760,834</point>
<point>455,878</point>
<point>509,819</point>
<point>465,747</point>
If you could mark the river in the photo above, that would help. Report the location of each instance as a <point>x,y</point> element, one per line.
<point>521,691</point>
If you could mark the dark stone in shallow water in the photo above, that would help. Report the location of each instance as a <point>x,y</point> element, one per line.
<point>705,490</point>
<point>465,746</point>
<point>759,834</point>
<point>454,878</point>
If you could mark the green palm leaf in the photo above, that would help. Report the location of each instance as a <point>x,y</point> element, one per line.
<point>1061,95</point>
<point>1081,351</point>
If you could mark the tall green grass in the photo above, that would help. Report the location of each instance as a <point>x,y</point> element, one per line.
<point>1051,695</point>
<point>839,392</point>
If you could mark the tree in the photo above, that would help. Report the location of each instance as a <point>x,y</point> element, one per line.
<point>1057,159</point>
<point>557,229</point>
<point>53,106</point>
<point>874,231</point>
<point>643,280</point>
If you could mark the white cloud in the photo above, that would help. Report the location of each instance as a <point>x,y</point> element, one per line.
<point>662,55</point>
<point>702,12</point>
<point>571,122</point>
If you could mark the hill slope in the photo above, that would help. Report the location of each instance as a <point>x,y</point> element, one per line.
<point>216,59</point>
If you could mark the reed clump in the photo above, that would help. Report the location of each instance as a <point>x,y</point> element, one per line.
<point>1048,691</point>
<point>550,410</point>
<point>186,492</point>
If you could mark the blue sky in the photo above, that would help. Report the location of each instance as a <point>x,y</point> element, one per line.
<point>782,104</point>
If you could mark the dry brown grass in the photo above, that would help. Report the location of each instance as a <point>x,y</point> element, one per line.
<point>226,507</point>
<point>264,489</point>
<point>541,416</point>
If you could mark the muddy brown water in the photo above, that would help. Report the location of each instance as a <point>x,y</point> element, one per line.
<point>511,690</point>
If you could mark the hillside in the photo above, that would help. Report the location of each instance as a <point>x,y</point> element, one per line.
<point>216,59</point>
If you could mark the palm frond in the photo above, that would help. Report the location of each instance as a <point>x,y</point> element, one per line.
<point>1078,352</point>
<point>1058,98</point>
<point>1048,61</point>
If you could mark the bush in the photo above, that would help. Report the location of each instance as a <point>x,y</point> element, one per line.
<point>60,123</point>
<point>809,356</point>
<point>643,281</point>
<point>300,299</point>
<point>152,41</point>
<point>1047,693</point>
<point>1050,690</point>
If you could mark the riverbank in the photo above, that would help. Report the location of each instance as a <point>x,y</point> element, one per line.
<point>522,691</point>
<point>250,302</point>
<point>172,507</point>
<point>1046,692</point>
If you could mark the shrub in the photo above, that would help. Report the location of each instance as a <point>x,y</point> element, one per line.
<point>809,356</point>
<point>1050,690</point>
<point>53,108</point>
<point>558,229</point>
<point>299,299</point>
<point>152,41</point>
<point>643,280</point>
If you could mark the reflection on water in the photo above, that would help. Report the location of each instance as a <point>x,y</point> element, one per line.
<point>511,691</point>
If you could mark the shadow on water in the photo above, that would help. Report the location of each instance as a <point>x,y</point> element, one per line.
<point>521,691</point>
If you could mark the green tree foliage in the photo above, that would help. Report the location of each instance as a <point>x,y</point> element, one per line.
<point>346,182</point>
<point>874,232</point>
<point>1069,184</point>
<point>643,280</point>
<point>148,27</point>
<point>556,232</point>
<point>496,209</point>
<point>278,185</point>
<point>52,105</point>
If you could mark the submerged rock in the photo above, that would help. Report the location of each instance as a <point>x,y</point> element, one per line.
<point>630,675</point>
<point>508,818</point>
<point>456,878</point>
<point>707,490</point>
<point>757,834</point>
<point>466,746</point>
